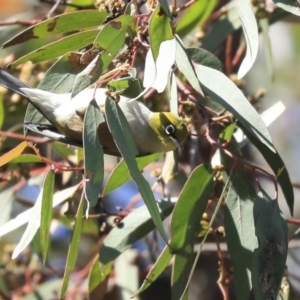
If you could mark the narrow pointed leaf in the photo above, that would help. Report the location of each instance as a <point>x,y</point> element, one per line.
<point>59,24</point>
<point>264,26</point>
<point>190,206</point>
<point>224,91</point>
<point>46,213</point>
<point>98,274</point>
<point>269,258</point>
<point>289,5</point>
<point>73,248</point>
<point>93,153</point>
<point>121,174</point>
<point>160,30</point>
<point>122,135</point>
<point>251,35</point>
<point>186,66</point>
<point>157,269</point>
<point>67,44</point>
<point>181,270</point>
<point>110,42</point>
<point>194,16</point>
<point>239,221</point>
<point>134,227</point>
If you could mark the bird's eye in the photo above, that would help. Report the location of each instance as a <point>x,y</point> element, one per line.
<point>170,129</point>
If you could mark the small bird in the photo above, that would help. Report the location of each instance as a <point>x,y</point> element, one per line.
<point>152,131</point>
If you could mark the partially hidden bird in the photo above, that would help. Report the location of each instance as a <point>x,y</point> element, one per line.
<point>152,131</point>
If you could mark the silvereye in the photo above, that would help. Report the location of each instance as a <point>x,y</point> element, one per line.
<point>152,131</point>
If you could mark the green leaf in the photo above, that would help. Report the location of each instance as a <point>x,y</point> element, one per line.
<point>251,36</point>
<point>59,24</point>
<point>227,24</point>
<point>2,112</point>
<point>289,5</point>
<point>224,91</point>
<point>98,274</point>
<point>63,149</point>
<point>122,135</point>
<point>205,58</point>
<point>60,77</point>
<point>121,174</point>
<point>186,218</point>
<point>239,221</point>
<point>157,72</point>
<point>110,41</point>
<point>25,158</point>
<point>67,44</point>
<point>269,258</point>
<point>160,30</point>
<point>93,153</point>
<point>183,261</point>
<point>190,206</point>
<point>73,248</point>
<point>264,26</point>
<point>160,265</point>
<point>46,213</point>
<point>186,66</point>
<point>165,6</point>
<point>277,165</point>
<point>194,16</point>
<point>133,227</point>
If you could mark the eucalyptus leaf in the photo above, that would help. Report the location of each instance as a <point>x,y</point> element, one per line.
<point>251,36</point>
<point>67,22</point>
<point>122,135</point>
<point>93,153</point>
<point>132,228</point>
<point>55,49</point>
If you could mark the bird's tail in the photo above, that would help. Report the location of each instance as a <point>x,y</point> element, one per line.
<point>12,83</point>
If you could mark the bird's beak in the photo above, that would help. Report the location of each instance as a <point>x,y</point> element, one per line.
<point>177,143</point>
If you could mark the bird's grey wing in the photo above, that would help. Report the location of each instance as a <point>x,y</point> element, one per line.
<point>12,83</point>
<point>51,132</point>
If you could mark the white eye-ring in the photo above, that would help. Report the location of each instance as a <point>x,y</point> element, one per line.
<point>170,129</point>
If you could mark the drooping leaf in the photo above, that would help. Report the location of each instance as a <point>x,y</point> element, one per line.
<point>202,57</point>
<point>183,261</point>
<point>160,265</point>
<point>194,16</point>
<point>73,248</point>
<point>186,218</point>
<point>25,217</point>
<point>62,46</point>
<point>224,91</point>
<point>289,5</point>
<point>277,165</point>
<point>2,113</point>
<point>109,42</point>
<point>122,135</point>
<point>264,26</point>
<point>160,30</point>
<point>93,153</point>
<point>97,275</point>
<point>46,213</point>
<point>186,66</point>
<point>157,71</point>
<point>224,27</point>
<point>190,206</point>
<point>239,221</point>
<point>132,228</point>
<point>121,174</point>
<point>251,36</point>
<point>59,24</point>
<point>34,220</point>
<point>269,258</point>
